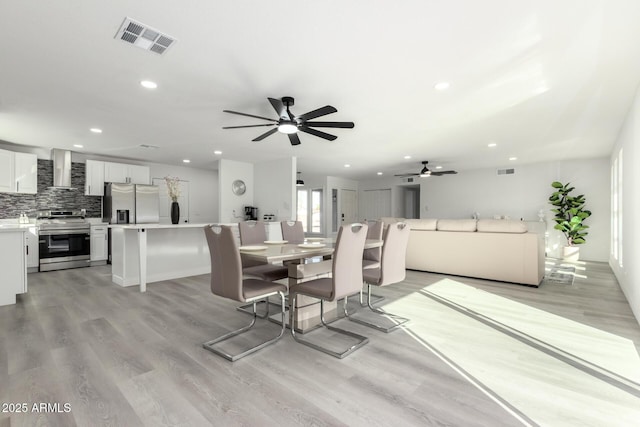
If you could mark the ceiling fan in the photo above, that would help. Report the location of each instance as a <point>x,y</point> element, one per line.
<point>425,172</point>
<point>290,124</point>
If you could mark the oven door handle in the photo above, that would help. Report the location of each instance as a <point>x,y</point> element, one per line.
<point>63,232</point>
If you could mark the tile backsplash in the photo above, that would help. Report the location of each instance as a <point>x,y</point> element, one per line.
<point>12,205</point>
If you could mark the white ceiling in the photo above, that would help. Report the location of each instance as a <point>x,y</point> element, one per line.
<point>543,80</point>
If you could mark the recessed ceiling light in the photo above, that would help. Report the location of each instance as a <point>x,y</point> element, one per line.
<point>492,144</point>
<point>217,152</point>
<point>186,161</point>
<point>78,145</point>
<point>347,165</point>
<point>442,86</point>
<point>96,130</point>
<point>407,157</point>
<point>148,84</point>
<point>379,173</point>
<point>513,158</point>
<point>438,167</point>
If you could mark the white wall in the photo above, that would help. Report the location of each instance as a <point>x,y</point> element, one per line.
<point>275,184</point>
<point>522,195</point>
<point>628,275</point>
<point>231,206</point>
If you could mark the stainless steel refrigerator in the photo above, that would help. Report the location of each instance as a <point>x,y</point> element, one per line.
<point>131,204</point>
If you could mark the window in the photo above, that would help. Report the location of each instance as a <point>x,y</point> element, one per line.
<point>309,210</point>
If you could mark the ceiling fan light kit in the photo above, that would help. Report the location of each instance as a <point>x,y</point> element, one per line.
<point>425,172</point>
<point>290,124</point>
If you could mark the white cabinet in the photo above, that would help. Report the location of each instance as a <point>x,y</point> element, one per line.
<point>26,173</point>
<point>99,248</point>
<point>33,249</point>
<point>12,265</point>
<point>6,171</point>
<point>123,173</point>
<point>139,174</point>
<point>94,178</point>
<point>18,172</point>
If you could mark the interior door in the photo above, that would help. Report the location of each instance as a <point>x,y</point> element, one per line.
<point>348,206</point>
<point>376,203</point>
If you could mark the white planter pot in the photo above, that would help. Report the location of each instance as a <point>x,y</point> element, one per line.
<point>571,253</point>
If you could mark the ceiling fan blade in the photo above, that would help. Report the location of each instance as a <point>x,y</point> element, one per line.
<point>404,175</point>
<point>249,115</point>
<point>278,106</point>
<point>443,173</point>
<point>247,126</point>
<point>323,111</point>
<point>294,139</point>
<point>317,133</point>
<point>266,134</point>
<point>346,125</point>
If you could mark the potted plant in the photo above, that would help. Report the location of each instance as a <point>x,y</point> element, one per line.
<point>569,216</point>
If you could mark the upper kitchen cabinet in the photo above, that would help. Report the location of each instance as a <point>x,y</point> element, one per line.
<point>6,171</point>
<point>18,172</point>
<point>123,173</point>
<point>139,174</point>
<point>26,173</point>
<point>94,178</point>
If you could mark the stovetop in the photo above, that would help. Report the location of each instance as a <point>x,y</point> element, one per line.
<point>62,219</point>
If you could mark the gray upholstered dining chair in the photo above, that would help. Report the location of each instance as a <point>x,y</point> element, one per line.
<point>254,233</point>
<point>371,257</point>
<point>227,281</point>
<point>292,231</point>
<point>345,280</point>
<point>392,270</point>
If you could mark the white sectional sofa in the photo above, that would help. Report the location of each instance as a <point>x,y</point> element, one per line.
<point>500,250</point>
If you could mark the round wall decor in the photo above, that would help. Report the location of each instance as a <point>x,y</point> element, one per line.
<point>238,187</point>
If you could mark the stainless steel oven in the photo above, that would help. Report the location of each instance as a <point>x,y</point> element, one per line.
<point>64,240</point>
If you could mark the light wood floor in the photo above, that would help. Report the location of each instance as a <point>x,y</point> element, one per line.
<point>118,357</point>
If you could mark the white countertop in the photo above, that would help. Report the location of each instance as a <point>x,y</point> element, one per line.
<point>156,226</point>
<point>4,228</point>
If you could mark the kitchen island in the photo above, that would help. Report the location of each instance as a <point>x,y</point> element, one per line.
<point>142,253</point>
<point>13,262</point>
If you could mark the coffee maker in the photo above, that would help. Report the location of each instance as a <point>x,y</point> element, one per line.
<point>250,213</point>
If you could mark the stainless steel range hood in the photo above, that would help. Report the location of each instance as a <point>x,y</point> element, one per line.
<point>61,168</point>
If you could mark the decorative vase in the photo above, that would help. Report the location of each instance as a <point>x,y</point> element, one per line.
<point>175,212</point>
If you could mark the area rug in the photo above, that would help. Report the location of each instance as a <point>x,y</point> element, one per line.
<point>562,274</point>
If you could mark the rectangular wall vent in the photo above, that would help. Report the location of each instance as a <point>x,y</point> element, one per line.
<point>506,171</point>
<point>144,37</point>
<point>408,179</point>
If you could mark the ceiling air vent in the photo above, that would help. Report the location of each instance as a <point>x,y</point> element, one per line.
<point>143,36</point>
<point>506,171</point>
<point>408,179</point>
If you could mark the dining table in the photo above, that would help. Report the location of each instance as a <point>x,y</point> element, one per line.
<point>313,256</point>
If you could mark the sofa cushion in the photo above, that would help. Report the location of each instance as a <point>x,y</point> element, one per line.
<point>501,226</point>
<point>390,220</point>
<point>428,224</point>
<point>456,225</point>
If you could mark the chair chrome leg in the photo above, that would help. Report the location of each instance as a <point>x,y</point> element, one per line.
<point>361,340</point>
<point>377,299</point>
<point>394,318</point>
<point>247,308</point>
<point>233,357</point>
